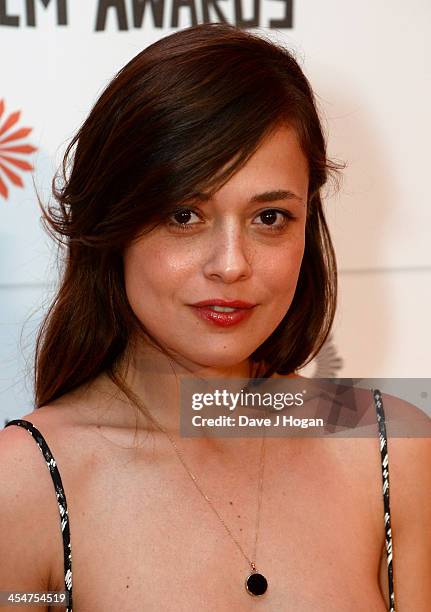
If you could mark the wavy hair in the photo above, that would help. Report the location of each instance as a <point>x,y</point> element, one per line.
<point>183,115</point>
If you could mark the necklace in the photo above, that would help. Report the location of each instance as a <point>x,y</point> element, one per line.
<point>255,583</point>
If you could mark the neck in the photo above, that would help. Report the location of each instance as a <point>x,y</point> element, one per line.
<point>155,378</point>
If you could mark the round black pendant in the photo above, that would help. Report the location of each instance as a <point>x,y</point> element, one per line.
<point>256,584</point>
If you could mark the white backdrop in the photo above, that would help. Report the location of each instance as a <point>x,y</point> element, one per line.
<point>369,64</point>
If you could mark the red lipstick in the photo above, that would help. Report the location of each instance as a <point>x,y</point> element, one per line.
<point>220,302</point>
<point>242,310</point>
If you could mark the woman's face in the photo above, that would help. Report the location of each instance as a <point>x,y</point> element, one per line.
<point>246,244</point>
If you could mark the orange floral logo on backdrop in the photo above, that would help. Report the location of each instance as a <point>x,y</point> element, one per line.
<point>11,151</point>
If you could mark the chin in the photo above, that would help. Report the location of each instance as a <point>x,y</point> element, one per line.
<point>219,362</point>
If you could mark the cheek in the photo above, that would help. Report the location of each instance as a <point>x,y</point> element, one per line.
<point>152,276</point>
<point>281,268</point>
<point>156,259</point>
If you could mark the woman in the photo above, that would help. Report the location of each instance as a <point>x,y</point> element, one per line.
<point>196,178</point>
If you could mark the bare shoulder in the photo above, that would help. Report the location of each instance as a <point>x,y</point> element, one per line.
<point>408,430</point>
<point>410,505</point>
<point>84,430</point>
<point>59,427</point>
<point>27,499</point>
<point>69,427</point>
<point>352,439</point>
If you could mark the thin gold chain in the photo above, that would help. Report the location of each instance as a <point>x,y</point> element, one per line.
<point>195,481</point>
<point>205,496</point>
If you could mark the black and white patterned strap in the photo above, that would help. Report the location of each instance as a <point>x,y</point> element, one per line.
<point>385,479</point>
<point>64,519</point>
<point>61,501</point>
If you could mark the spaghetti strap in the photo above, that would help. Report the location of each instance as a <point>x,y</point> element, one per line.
<point>61,501</point>
<point>385,479</point>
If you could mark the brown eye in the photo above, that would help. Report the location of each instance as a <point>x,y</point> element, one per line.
<point>269,219</point>
<point>179,219</point>
<point>182,216</point>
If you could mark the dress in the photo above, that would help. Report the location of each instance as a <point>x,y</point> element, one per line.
<point>64,519</point>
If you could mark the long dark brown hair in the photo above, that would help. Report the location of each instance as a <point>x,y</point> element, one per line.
<point>183,115</point>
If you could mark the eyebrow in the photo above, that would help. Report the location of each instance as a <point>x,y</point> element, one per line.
<point>266,196</point>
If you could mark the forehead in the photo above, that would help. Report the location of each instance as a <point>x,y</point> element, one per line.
<point>277,170</point>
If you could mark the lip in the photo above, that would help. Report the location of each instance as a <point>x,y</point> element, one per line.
<point>223,319</point>
<point>220,302</point>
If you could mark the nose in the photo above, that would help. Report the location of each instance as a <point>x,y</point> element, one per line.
<point>229,254</point>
